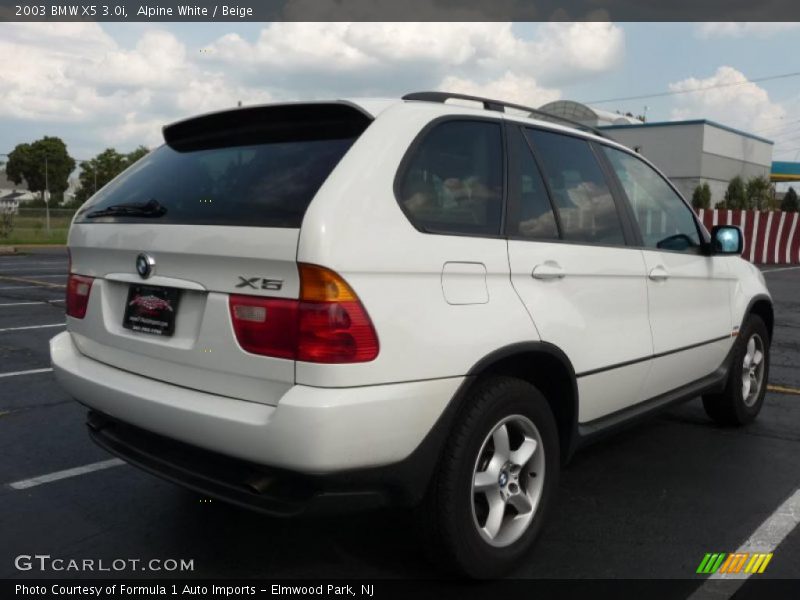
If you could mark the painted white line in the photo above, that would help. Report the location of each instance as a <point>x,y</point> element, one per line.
<point>766,238</point>
<point>37,276</point>
<point>765,539</point>
<point>791,238</point>
<point>33,327</point>
<point>781,269</point>
<point>58,475</point>
<point>755,237</point>
<point>34,266</point>
<point>26,287</point>
<point>29,303</point>
<point>778,238</point>
<point>31,372</point>
<point>56,268</point>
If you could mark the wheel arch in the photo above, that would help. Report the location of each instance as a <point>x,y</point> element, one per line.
<point>547,367</point>
<point>761,305</point>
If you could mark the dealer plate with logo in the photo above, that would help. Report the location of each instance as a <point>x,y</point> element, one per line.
<point>151,309</point>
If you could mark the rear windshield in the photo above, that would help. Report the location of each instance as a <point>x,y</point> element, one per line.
<point>265,176</point>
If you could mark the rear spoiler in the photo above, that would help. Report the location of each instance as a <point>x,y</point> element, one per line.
<point>268,124</point>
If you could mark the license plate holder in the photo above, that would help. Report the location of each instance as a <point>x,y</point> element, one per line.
<point>151,309</point>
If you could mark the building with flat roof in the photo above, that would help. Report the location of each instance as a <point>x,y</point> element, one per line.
<point>690,153</point>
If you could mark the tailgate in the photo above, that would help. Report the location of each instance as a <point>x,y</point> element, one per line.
<point>204,264</point>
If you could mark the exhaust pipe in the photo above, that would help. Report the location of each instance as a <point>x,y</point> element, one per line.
<point>258,483</point>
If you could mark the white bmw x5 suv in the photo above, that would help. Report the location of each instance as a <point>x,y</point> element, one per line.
<point>325,305</point>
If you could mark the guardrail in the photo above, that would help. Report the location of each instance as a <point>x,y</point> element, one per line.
<point>770,237</point>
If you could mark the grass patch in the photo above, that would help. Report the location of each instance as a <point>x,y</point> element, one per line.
<point>30,227</point>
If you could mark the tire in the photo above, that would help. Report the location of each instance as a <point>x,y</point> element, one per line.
<point>453,512</point>
<point>734,407</point>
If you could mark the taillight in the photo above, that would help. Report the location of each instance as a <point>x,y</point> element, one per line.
<point>78,289</point>
<point>333,325</point>
<point>265,325</point>
<point>327,324</point>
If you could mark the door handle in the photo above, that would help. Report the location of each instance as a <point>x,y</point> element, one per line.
<point>658,273</point>
<point>548,270</point>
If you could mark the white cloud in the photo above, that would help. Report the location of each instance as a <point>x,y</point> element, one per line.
<point>75,73</point>
<point>157,62</point>
<point>743,29</point>
<point>73,79</point>
<point>509,87</point>
<point>560,51</point>
<point>737,102</point>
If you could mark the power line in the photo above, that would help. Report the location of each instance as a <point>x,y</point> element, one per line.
<point>700,89</point>
<point>779,127</point>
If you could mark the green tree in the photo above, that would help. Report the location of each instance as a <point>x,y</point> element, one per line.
<point>758,193</point>
<point>790,202</point>
<point>97,172</point>
<point>44,164</point>
<point>735,197</point>
<point>701,198</point>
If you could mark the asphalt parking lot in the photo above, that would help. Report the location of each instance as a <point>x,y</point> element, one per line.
<point>648,503</point>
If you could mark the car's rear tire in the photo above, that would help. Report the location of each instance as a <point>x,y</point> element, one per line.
<point>495,480</point>
<point>741,400</point>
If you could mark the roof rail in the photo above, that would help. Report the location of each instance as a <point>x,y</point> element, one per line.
<point>500,106</point>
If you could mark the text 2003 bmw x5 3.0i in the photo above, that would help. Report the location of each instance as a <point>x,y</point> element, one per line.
<point>398,302</point>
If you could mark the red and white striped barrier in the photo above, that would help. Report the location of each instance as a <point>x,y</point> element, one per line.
<point>770,237</point>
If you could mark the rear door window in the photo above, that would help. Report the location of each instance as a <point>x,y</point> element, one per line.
<point>580,192</point>
<point>531,215</point>
<point>453,182</point>
<point>256,169</point>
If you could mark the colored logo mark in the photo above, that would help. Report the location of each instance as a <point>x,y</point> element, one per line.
<point>737,562</point>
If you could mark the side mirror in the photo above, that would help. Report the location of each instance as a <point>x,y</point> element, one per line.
<point>727,239</point>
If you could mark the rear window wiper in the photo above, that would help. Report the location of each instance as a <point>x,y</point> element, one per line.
<point>150,209</point>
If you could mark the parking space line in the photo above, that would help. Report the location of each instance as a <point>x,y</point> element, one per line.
<point>780,389</point>
<point>781,269</point>
<point>764,539</point>
<point>41,283</point>
<point>25,287</point>
<point>34,269</point>
<point>29,372</point>
<point>33,327</point>
<point>30,303</point>
<point>58,475</point>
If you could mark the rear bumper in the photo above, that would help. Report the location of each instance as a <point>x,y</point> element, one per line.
<point>270,491</point>
<point>312,431</point>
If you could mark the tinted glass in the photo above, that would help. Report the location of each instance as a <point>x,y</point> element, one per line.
<point>580,192</point>
<point>454,180</point>
<point>269,184</point>
<point>664,219</point>
<point>533,216</point>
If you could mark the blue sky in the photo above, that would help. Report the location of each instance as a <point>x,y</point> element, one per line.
<point>114,85</point>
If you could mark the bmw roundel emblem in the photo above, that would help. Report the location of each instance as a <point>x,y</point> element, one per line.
<point>145,264</point>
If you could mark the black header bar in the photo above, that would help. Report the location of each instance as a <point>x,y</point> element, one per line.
<point>394,10</point>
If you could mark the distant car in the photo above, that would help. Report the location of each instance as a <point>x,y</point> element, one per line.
<point>407,303</point>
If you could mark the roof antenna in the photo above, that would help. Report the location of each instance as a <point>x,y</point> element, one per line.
<point>239,104</point>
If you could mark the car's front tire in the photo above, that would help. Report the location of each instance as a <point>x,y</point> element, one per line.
<point>741,400</point>
<point>495,480</point>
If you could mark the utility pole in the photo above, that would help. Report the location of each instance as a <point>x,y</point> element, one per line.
<point>46,199</point>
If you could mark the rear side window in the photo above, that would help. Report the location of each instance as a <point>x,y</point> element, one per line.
<point>453,182</point>
<point>252,169</point>
<point>581,195</point>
